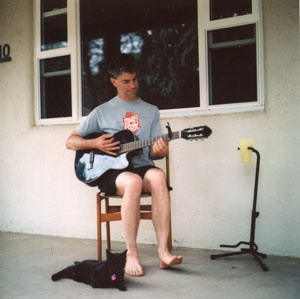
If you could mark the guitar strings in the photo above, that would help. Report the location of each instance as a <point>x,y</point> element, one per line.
<point>126,147</point>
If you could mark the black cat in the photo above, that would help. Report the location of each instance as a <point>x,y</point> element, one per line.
<point>98,274</point>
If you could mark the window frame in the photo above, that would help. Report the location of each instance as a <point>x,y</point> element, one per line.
<point>71,50</point>
<point>204,25</point>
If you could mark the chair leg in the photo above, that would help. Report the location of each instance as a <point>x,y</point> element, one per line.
<point>108,236</point>
<point>170,234</point>
<point>107,226</point>
<point>99,237</point>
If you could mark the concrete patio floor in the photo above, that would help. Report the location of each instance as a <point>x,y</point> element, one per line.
<point>28,261</point>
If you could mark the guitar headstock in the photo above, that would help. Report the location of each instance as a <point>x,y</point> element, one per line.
<point>196,133</point>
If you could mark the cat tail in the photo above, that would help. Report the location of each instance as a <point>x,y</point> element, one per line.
<point>59,275</point>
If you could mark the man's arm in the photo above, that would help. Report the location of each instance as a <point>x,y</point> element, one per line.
<point>103,143</point>
<point>76,142</point>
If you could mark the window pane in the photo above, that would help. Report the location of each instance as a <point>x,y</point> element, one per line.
<point>48,5</point>
<point>233,34</point>
<point>232,65</point>
<point>163,37</point>
<point>53,24</point>
<point>55,87</point>
<point>221,9</point>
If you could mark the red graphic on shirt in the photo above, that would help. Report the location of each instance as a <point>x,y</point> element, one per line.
<point>131,122</point>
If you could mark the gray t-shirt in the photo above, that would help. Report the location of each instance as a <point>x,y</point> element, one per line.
<point>139,117</point>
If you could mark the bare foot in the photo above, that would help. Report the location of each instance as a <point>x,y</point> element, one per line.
<point>133,266</point>
<point>167,260</point>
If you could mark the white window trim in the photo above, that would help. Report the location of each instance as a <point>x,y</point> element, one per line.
<point>71,50</point>
<point>204,25</point>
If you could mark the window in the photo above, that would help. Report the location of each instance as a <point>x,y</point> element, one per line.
<point>163,37</point>
<point>53,24</point>
<point>55,61</point>
<point>194,56</point>
<point>230,56</point>
<point>55,87</point>
<point>221,9</point>
<point>232,65</point>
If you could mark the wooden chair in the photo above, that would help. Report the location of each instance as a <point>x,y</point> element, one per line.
<point>113,213</point>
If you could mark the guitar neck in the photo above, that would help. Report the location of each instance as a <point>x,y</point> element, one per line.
<point>134,145</point>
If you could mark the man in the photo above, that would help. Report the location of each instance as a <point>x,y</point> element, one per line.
<point>128,111</point>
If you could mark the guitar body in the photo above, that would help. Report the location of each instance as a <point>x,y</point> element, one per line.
<point>91,165</point>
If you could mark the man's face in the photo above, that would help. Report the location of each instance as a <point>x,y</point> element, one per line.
<point>126,85</point>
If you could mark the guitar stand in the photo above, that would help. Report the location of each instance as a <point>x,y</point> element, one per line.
<point>253,248</point>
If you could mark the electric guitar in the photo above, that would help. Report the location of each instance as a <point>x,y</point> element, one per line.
<point>92,164</point>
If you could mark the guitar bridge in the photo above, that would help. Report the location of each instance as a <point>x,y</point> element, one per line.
<point>92,157</point>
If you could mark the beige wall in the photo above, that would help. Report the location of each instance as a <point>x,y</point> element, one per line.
<point>212,197</point>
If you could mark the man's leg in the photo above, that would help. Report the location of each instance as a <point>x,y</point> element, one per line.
<point>129,186</point>
<point>155,182</point>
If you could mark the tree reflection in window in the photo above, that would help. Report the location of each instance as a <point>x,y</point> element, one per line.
<point>131,43</point>
<point>96,54</point>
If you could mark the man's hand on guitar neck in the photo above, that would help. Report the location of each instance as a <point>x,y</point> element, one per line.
<point>104,143</point>
<point>159,149</point>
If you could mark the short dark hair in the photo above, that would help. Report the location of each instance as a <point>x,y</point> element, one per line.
<point>121,63</point>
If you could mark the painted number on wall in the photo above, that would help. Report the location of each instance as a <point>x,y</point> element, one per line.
<point>5,53</point>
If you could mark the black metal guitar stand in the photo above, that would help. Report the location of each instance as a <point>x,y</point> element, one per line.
<point>253,248</point>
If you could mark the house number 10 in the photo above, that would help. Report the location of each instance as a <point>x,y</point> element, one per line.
<point>5,53</point>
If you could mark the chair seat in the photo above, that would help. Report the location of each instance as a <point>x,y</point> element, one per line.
<point>103,194</point>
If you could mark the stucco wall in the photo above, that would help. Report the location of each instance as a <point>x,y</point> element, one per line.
<point>212,197</point>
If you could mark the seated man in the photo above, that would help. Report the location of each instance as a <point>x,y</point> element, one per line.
<point>127,111</point>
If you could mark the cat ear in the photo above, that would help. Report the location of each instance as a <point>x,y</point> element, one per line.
<point>108,254</point>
